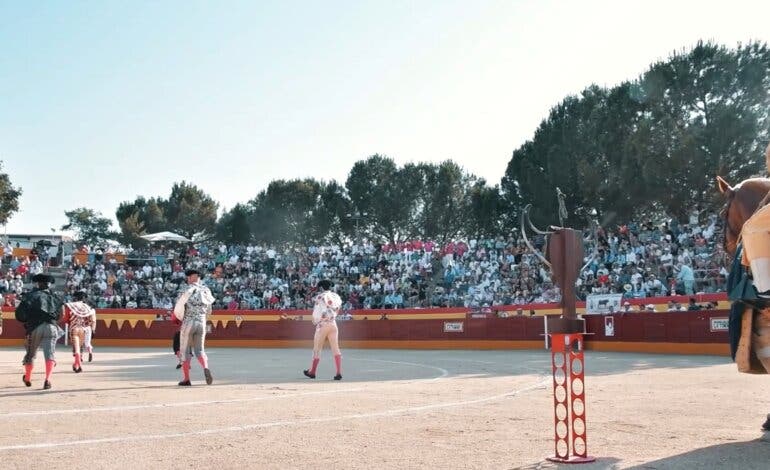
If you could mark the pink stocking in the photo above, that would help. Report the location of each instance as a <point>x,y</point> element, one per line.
<point>316,360</point>
<point>203,360</point>
<point>49,369</point>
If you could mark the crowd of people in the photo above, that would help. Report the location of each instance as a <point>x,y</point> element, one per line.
<point>637,260</point>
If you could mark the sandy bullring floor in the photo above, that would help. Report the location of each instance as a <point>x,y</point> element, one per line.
<point>393,409</point>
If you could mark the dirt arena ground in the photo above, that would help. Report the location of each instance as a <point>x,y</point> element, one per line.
<point>393,409</point>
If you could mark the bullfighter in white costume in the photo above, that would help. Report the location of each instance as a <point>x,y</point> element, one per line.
<point>193,308</point>
<point>327,306</point>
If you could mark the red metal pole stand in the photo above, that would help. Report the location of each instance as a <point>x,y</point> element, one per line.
<point>569,399</point>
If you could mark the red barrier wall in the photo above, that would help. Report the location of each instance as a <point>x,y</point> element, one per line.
<point>672,332</point>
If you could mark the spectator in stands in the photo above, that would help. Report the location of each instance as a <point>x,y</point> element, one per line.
<point>654,287</point>
<point>473,273</point>
<point>687,277</point>
<point>694,306</point>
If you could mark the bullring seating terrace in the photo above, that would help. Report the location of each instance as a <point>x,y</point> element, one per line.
<point>639,260</point>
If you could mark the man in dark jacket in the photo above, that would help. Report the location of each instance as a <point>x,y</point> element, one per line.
<point>40,311</point>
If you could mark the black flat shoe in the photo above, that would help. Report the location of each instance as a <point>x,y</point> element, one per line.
<point>90,357</point>
<point>765,427</point>
<point>338,377</point>
<point>308,374</point>
<point>209,378</point>
<point>78,370</point>
<point>28,383</point>
<point>185,383</point>
<point>179,366</point>
<point>46,385</point>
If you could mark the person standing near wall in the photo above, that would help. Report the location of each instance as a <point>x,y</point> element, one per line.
<point>327,306</point>
<point>40,311</point>
<point>193,307</point>
<point>81,319</point>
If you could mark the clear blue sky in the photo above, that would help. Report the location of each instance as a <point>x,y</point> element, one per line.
<point>101,102</point>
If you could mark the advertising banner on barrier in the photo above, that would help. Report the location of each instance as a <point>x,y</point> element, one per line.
<point>603,303</point>
<point>453,327</point>
<point>719,324</point>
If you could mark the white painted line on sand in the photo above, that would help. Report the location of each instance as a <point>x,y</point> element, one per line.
<point>247,427</point>
<point>169,405</point>
<point>443,373</point>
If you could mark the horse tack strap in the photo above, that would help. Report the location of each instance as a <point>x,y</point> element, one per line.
<point>761,338</point>
<point>743,353</point>
<point>750,342</point>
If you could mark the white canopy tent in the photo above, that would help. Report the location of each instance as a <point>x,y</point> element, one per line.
<point>165,237</point>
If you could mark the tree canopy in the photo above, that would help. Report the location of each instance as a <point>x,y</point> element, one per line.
<point>90,226</point>
<point>9,197</point>
<point>653,145</point>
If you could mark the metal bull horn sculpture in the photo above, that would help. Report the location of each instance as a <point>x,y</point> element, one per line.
<point>564,257</point>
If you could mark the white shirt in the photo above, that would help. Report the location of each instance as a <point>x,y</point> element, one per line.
<point>327,306</point>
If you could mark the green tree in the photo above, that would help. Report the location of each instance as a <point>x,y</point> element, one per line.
<point>190,211</point>
<point>652,145</point>
<point>90,226</point>
<point>487,214</point>
<point>443,209</point>
<point>285,212</point>
<point>233,226</point>
<point>387,195</point>
<point>706,114</point>
<point>9,197</point>
<point>332,220</point>
<point>140,217</point>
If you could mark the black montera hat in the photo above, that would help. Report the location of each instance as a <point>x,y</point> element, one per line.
<point>43,278</point>
<point>325,284</point>
<point>192,271</point>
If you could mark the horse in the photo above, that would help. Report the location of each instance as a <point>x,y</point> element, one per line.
<point>742,201</point>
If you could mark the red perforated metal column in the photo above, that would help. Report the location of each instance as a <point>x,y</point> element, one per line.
<point>570,438</point>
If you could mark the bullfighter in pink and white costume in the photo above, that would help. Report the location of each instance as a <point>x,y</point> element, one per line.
<point>81,319</point>
<point>193,307</point>
<point>327,306</point>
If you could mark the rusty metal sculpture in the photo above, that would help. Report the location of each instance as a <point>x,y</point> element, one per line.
<point>564,256</point>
